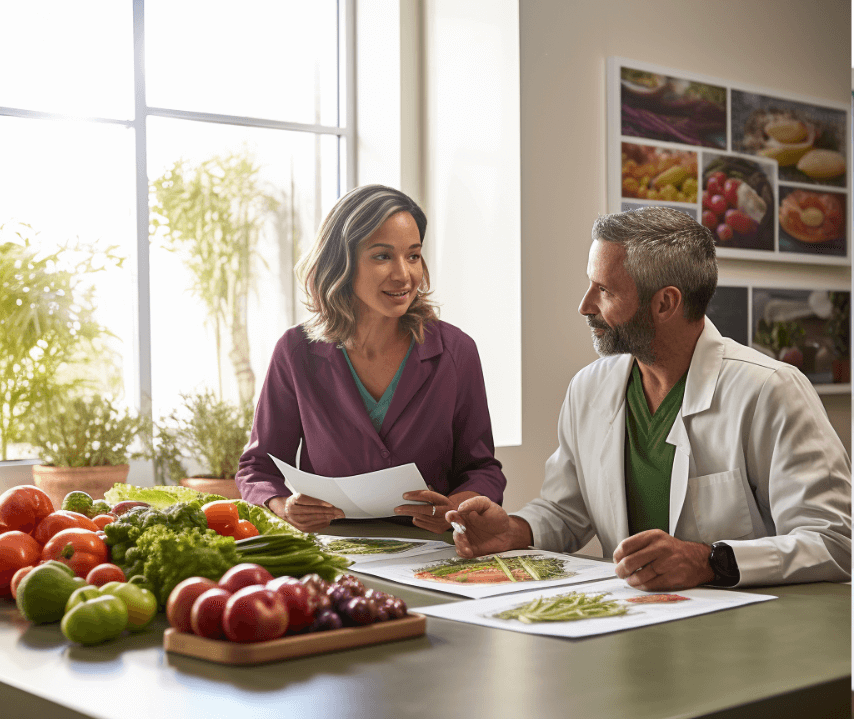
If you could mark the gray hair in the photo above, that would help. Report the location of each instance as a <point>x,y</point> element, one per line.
<point>326,271</point>
<point>665,248</point>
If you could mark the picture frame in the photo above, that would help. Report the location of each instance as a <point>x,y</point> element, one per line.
<point>768,172</point>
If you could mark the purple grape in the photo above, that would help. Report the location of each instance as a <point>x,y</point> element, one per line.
<point>325,620</point>
<point>357,612</point>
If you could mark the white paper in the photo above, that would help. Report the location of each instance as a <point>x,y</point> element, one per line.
<point>377,549</point>
<point>372,495</point>
<point>572,570</point>
<point>694,602</point>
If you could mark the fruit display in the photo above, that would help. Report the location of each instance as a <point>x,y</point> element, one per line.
<point>737,203</point>
<point>654,173</point>
<point>812,217</point>
<point>249,605</point>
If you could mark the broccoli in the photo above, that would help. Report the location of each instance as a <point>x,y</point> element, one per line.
<point>99,506</point>
<point>123,534</point>
<point>79,502</point>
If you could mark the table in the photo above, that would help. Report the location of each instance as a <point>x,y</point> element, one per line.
<point>789,657</point>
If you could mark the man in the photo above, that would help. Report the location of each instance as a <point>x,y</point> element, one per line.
<point>695,460</point>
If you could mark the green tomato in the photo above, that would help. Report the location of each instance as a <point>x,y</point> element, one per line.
<point>83,594</point>
<point>95,620</point>
<point>99,506</point>
<point>79,502</point>
<point>44,592</point>
<point>141,604</point>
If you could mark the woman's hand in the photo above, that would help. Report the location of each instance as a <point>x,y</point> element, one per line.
<point>431,518</point>
<point>308,514</point>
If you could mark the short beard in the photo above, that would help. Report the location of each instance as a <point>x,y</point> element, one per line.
<point>633,337</point>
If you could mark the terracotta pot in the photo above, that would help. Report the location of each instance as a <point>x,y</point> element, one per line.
<point>59,481</point>
<point>225,487</point>
<point>842,370</point>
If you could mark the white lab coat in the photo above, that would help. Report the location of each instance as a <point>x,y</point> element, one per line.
<point>757,464</point>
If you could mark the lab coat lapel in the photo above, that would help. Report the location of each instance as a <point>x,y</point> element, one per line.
<point>679,474</point>
<point>415,374</point>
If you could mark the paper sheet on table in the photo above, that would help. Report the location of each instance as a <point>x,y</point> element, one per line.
<point>644,608</point>
<point>363,550</point>
<point>372,495</point>
<point>444,571</point>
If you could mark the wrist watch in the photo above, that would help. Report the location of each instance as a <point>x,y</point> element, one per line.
<point>723,564</point>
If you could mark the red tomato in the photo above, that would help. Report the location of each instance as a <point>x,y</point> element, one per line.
<point>23,507</point>
<point>731,191</point>
<point>222,517</point>
<point>254,614</point>
<point>17,577</point>
<point>80,549</point>
<point>710,219</point>
<point>104,573</point>
<point>718,204</point>
<point>739,222</point>
<point>719,176</point>
<point>244,575</point>
<point>245,528</point>
<point>102,520</point>
<point>59,520</point>
<point>298,601</point>
<point>707,199</point>
<point>207,611</point>
<point>714,186</point>
<point>724,232</point>
<point>181,599</point>
<point>17,550</point>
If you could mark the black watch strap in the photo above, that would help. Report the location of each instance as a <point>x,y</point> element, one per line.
<point>723,564</point>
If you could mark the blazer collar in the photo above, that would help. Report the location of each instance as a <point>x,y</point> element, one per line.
<point>699,386</point>
<point>431,346</point>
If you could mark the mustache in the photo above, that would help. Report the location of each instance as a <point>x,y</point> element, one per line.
<point>597,324</point>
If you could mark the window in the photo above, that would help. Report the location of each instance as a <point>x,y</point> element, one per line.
<point>234,119</point>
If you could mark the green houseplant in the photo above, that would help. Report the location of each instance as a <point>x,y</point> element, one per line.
<point>210,431</point>
<point>85,444</point>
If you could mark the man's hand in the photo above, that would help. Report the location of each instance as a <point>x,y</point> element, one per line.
<point>489,529</point>
<point>307,514</point>
<point>655,561</point>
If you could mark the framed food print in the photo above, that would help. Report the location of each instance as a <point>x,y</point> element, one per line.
<point>806,327</point>
<point>767,172</point>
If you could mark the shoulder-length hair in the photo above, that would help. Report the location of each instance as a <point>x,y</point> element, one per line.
<point>326,271</point>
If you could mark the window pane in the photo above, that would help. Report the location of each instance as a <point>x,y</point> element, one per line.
<point>65,57</point>
<point>273,59</point>
<point>65,184</point>
<point>275,184</point>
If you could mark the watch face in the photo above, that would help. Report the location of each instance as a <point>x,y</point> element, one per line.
<point>723,562</point>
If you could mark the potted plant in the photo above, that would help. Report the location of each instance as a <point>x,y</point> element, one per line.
<point>84,444</point>
<point>209,431</point>
<point>784,339</point>
<point>838,327</point>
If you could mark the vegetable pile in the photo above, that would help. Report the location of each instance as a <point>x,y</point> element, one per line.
<point>653,173</point>
<point>564,608</point>
<point>737,203</point>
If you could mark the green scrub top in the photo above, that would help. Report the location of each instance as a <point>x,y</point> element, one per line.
<point>378,408</point>
<point>648,456</point>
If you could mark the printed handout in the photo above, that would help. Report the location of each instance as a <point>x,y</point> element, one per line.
<point>374,549</point>
<point>617,605</point>
<point>372,495</point>
<point>520,569</point>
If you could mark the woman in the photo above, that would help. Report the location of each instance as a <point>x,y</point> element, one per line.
<point>373,379</point>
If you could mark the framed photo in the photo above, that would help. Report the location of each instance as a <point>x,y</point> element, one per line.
<point>806,327</point>
<point>767,172</point>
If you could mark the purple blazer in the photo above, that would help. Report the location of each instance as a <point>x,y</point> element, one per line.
<point>437,419</point>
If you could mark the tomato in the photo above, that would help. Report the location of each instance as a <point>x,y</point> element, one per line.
<point>724,232</point>
<point>102,520</point>
<point>739,222</point>
<point>181,600</point>
<point>707,199</point>
<point>245,528</point>
<point>731,191</point>
<point>80,549</point>
<point>104,573</point>
<point>59,520</point>
<point>718,204</point>
<point>710,219</point>
<point>207,611</point>
<point>243,575</point>
<point>17,550</point>
<point>298,601</point>
<point>714,186</point>
<point>17,577</point>
<point>23,507</point>
<point>719,177</point>
<point>254,614</point>
<point>222,517</point>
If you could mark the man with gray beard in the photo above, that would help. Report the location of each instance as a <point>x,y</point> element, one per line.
<point>694,459</point>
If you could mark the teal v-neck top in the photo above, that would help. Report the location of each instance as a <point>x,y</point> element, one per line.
<point>378,408</point>
<point>648,456</point>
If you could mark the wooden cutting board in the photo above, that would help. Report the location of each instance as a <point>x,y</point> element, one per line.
<point>299,645</point>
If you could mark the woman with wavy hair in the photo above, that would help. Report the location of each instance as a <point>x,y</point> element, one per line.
<point>373,379</point>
